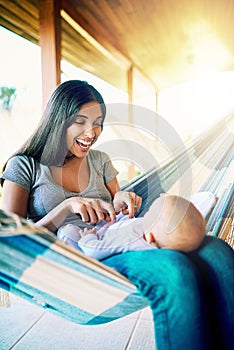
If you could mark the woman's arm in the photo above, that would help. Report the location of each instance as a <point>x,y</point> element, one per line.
<point>91,211</point>
<point>14,198</point>
<point>113,187</point>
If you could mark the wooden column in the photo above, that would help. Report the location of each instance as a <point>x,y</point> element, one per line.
<point>156,121</point>
<point>156,95</point>
<point>130,94</point>
<point>50,42</point>
<point>131,167</point>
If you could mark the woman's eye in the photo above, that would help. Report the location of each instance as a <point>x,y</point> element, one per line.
<point>99,122</point>
<point>79,123</point>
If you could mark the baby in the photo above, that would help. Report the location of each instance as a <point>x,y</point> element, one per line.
<point>172,222</point>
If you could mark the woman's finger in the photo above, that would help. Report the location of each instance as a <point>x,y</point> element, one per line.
<point>131,205</point>
<point>98,209</point>
<point>138,202</point>
<point>83,213</point>
<point>93,217</point>
<point>109,210</point>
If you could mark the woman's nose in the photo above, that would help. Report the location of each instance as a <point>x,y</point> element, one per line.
<point>89,132</point>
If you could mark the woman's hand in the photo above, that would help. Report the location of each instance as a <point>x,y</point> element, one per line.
<point>91,210</point>
<point>127,202</point>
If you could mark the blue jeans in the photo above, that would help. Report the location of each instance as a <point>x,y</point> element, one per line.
<point>191,295</point>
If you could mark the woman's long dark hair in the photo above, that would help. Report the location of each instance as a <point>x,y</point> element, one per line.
<point>48,142</point>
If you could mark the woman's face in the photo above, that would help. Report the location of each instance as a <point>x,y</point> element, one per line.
<point>85,130</point>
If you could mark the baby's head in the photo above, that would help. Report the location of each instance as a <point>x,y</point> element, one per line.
<point>173,222</point>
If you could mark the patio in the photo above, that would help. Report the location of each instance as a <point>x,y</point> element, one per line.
<point>25,326</point>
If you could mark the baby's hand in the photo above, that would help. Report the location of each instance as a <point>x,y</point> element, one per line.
<point>86,231</point>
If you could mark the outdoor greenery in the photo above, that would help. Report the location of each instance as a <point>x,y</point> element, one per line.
<point>7,96</point>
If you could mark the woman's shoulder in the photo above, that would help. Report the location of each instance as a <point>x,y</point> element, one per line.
<point>21,170</point>
<point>22,161</point>
<point>98,155</point>
<point>22,165</point>
<point>103,164</point>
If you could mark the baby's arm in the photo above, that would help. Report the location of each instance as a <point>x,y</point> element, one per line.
<point>92,246</point>
<point>111,238</point>
<point>69,234</point>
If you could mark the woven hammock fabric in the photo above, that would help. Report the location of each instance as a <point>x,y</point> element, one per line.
<point>38,267</point>
<point>41,269</point>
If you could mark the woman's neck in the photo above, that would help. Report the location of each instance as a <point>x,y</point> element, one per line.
<point>73,161</point>
<point>73,175</point>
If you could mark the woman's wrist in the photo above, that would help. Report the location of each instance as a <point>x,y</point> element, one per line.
<point>56,217</point>
<point>66,206</point>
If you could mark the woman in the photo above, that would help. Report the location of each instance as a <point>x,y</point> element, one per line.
<point>57,160</point>
<point>56,176</point>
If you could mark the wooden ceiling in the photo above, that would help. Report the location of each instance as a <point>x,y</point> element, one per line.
<point>169,41</point>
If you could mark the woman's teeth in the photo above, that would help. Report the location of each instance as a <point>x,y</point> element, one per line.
<point>84,144</point>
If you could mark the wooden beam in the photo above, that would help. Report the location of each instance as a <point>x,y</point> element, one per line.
<point>50,42</point>
<point>94,32</point>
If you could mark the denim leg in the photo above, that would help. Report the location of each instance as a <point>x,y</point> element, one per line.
<point>170,282</point>
<point>215,261</point>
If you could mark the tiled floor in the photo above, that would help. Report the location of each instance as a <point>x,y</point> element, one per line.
<point>24,326</point>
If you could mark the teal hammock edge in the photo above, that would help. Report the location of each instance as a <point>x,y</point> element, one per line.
<point>27,249</point>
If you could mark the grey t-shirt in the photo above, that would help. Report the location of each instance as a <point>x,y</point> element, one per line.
<point>45,194</point>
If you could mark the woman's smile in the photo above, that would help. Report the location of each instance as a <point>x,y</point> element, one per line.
<point>85,145</point>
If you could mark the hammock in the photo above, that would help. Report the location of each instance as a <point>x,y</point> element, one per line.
<point>38,267</point>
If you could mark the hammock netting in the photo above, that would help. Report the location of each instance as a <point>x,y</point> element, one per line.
<point>38,267</point>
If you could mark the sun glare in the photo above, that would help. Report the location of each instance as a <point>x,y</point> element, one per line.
<point>210,55</point>
<point>206,53</point>
<point>189,107</point>
<point>196,105</point>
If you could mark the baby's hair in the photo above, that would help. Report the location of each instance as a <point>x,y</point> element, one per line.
<point>175,223</point>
